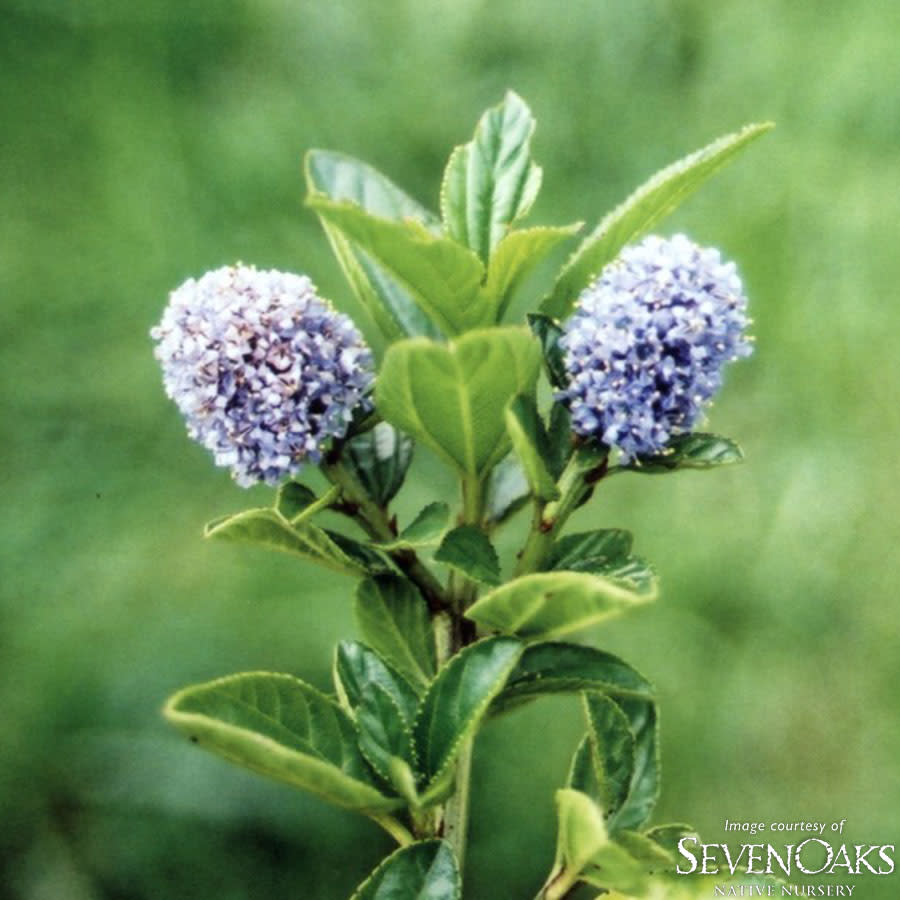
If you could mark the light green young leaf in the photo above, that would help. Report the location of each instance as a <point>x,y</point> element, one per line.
<point>278,726</point>
<point>457,701</point>
<point>492,181</point>
<point>268,528</point>
<point>342,178</point>
<point>689,451</point>
<point>469,550</point>
<point>384,732</point>
<point>356,666</point>
<point>426,529</point>
<point>557,668</point>
<point>443,278</point>
<point>531,444</point>
<point>394,620</point>
<point>650,203</point>
<point>451,397</point>
<point>549,605</point>
<point>516,256</point>
<point>380,458</point>
<point>581,833</point>
<point>423,871</point>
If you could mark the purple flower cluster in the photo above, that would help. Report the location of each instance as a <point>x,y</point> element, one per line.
<point>264,371</point>
<point>647,343</point>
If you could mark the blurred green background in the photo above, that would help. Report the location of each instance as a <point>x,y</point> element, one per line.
<point>143,143</point>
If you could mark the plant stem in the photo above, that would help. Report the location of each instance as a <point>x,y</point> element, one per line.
<point>397,831</point>
<point>456,813</point>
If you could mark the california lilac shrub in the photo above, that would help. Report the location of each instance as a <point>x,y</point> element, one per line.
<point>632,337</point>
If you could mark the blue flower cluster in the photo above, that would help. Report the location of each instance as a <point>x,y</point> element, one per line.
<point>264,371</point>
<point>647,343</point>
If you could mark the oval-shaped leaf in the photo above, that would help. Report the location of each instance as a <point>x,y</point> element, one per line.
<point>457,701</point>
<point>442,277</point>
<point>551,604</point>
<point>532,446</point>
<point>651,202</point>
<point>384,731</point>
<point>452,396</point>
<point>605,544</point>
<point>643,790</point>
<point>268,528</point>
<point>469,550</point>
<point>558,668</point>
<point>380,458</point>
<point>343,178</point>
<point>603,767</point>
<point>357,666</point>
<point>394,621</point>
<point>689,451</point>
<point>426,529</point>
<point>491,181</point>
<point>278,726</point>
<point>423,871</point>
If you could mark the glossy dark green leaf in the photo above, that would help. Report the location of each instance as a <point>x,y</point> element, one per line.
<point>549,605</point>
<point>268,528</point>
<point>394,621</point>
<point>426,529</point>
<point>516,256</point>
<point>293,498</point>
<point>531,445</point>
<point>380,458</point>
<point>548,333</point>
<point>611,754</point>
<point>451,397</point>
<point>278,726</point>
<point>560,438</point>
<point>508,490</point>
<point>491,181</point>
<point>442,277</point>
<point>469,550</point>
<point>689,451</point>
<point>423,871</point>
<point>356,666</point>
<point>384,731</point>
<point>458,699</point>
<point>650,203</point>
<point>605,545</point>
<point>342,178</point>
<point>557,668</point>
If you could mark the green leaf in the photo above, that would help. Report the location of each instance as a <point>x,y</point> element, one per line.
<point>443,278</point>
<point>268,528</point>
<point>293,498</point>
<point>384,732</point>
<point>423,871</point>
<point>650,203</point>
<point>342,178</point>
<point>604,770</point>
<point>426,529</point>
<point>581,833</point>
<point>615,869</point>
<point>491,181</point>
<point>394,621</point>
<point>548,605</point>
<point>451,397</point>
<point>689,451</point>
<point>643,790</point>
<point>380,458</point>
<point>531,444</point>
<point>606,545</point>
<point>516,256</point>
<point>549,333</point>
<point>356,666</point>
<point>669,835</point>
<point>278,726</point>
<point>556,668</point>
<point>508,490</point>
<point>468,549</point>
<point>457,701</point>
<point>560,438</point>
<point>645,850</point>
